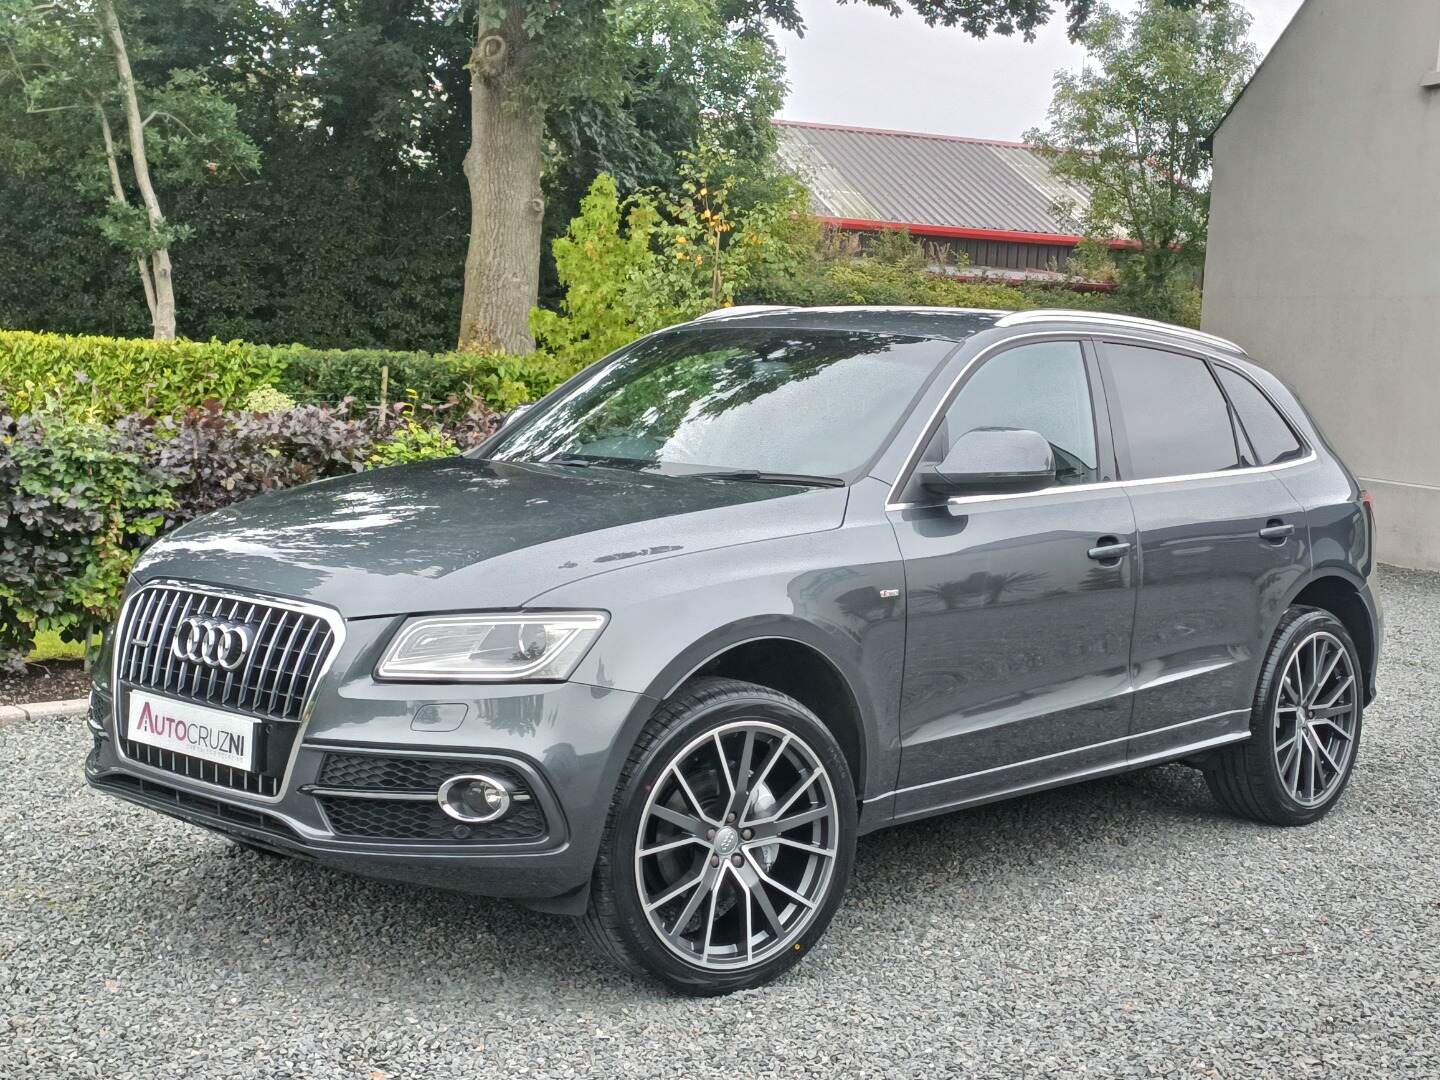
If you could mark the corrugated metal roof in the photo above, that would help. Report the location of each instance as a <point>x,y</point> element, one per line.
<point>938,181</point>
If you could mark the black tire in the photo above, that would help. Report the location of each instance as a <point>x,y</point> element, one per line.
<point>617,920</point>
<point>1246,778</point>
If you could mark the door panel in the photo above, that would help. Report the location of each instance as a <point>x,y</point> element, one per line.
<point>1209,579</point>
<point>1210,591</point>
<point>1017,640</point>
<point>1017,643</point>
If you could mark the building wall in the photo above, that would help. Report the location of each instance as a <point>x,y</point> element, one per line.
<point>1324,250</point>
<point>1000,254</point>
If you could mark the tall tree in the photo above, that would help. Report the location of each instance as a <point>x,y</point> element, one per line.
<point>533,57</point>
<point>68,91</point>
<point>1132,127</point>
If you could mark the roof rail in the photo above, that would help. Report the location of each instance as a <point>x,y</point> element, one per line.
<point>1133,322</point>
<point>743,309</point>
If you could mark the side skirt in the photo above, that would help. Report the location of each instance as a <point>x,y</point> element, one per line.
<point>1076,776</point>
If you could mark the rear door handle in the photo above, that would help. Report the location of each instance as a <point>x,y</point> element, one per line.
<point>1275,529</point>
<point>1109,550</point>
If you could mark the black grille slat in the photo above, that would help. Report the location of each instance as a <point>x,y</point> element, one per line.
<point>199,769</point>
<point>164,616</point>
<point>376,772</point>
<point>279,668</point>
<point>386,819</point>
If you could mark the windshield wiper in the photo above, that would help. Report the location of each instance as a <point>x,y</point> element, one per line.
<point>758,476</point>
<point>564,459</point>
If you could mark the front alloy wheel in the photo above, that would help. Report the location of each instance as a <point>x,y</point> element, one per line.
<point>736,828</point>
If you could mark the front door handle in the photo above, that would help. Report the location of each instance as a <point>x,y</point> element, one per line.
<point>1109,550</point>
<point>1275,529</point>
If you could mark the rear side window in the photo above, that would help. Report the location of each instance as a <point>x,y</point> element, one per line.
<point>1175,419</point>
<point>1271,437</point>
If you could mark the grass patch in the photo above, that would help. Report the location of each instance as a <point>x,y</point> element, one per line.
<point>48,646</point>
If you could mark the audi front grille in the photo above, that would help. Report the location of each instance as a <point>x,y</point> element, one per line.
<point>285,649</point>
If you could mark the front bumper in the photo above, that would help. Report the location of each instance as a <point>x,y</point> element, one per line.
<point>561,744</point>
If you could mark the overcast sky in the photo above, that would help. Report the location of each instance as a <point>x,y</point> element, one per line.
<point>857,65</point>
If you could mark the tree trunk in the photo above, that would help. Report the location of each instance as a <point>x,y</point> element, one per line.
<point>118,189</point>
<point>163,289</point>
<point>503,167</point>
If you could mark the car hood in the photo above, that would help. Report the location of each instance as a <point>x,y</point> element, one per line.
<point>461,533</point>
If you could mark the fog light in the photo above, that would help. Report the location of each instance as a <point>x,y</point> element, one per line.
<point>474,798</point>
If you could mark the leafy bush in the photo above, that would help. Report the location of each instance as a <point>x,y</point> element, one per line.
<point>104,377</point>
<point>77,499</point>
<point>411,440</point>
<point>212,458</point>
<point>266,399</point>
<point>615,288</point>
<point>632,267</point>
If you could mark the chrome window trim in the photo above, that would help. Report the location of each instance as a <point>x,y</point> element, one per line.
<point>337,627</point>
<point>1058,754</point>
<point>912,459</point>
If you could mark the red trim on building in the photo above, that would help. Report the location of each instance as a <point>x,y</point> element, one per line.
<point>1002,235</point>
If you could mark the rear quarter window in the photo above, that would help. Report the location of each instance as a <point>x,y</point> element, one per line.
<point>1269,433</point>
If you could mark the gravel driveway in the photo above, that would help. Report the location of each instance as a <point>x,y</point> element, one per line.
<point>1123,927</point>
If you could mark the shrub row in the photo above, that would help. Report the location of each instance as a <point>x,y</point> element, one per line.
<point>79,497</point>
<point>104,378</point>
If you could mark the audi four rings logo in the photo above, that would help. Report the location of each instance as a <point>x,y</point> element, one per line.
<point>215,642</point>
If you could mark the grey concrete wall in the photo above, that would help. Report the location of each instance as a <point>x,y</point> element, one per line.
<point>1324,249</point>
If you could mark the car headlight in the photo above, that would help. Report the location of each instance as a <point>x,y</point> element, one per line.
<point>541,646</point>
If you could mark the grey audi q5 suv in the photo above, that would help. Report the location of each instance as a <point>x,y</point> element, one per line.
<point>659,650</point>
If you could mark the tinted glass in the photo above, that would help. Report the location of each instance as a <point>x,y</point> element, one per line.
<point>1039,387</point>
<point>1269,434</point>
<point>1175,418</point>
<point>775,400</point>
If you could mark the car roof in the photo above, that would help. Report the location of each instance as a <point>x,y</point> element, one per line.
<point>956,324</point>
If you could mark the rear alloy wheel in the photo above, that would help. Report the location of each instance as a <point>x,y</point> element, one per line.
<point>1316,717</point>
<point>731,841</point>
<point>1305,727</point>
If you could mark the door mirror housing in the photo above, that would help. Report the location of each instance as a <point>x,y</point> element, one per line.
<point>992,461</point>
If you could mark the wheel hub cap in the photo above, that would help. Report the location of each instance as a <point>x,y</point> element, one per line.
<point>726,841</point>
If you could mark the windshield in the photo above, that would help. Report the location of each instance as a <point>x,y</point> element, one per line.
<point>774,400</point>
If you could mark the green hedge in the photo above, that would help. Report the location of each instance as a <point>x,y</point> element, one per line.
<point>103,378</point>
<point>328,376</point>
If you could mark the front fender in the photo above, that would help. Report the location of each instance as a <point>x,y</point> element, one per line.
<point>824,590</point>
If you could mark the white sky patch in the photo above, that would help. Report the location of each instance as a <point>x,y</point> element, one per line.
<point>857,65</point>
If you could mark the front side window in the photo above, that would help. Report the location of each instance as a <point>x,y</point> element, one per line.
<point>782,400</point>
<point>1271,437</point>
<point>1175,419</point>
<point>1040,387</point>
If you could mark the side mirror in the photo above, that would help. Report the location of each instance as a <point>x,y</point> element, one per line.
<point>515,414</point>
<point>992,461</point>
